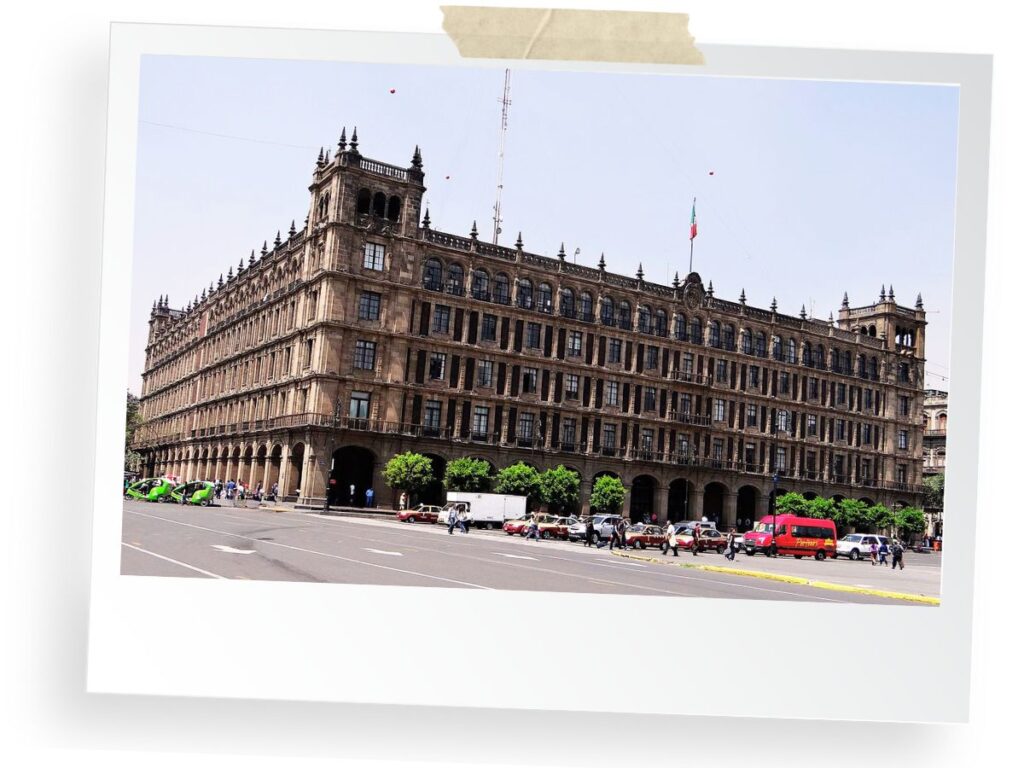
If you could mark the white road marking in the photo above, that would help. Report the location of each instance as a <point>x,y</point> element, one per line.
<point>314,552</point>
<point>382,552</point>
<point>170,560</point>
<point>232,550</point>
<point>517,557</point>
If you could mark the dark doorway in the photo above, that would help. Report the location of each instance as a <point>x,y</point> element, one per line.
<point>434,493</point>
<point>641,498</point>
<point>678,500</point>
<point>351,475</point>
<point>714,502</point>
<point>746,508</point>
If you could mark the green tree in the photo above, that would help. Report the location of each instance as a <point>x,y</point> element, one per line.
<point>607,496</point>
<point>851,513</point>
<point>821,508</point>
<point>791,504</point>
<point>934,491</point>
<point>881,517</point>
<point>132,421</point>
<point>519,480</point>
<point>409,472</point>
<point>560,489</point>
<point>909,521</point>
<point>467,475</point>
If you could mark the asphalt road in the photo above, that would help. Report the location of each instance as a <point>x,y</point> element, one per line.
<point>257,544</point>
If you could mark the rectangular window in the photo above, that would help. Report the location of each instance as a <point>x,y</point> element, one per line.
<point>432,414</point>
<point>902,439</point>
<point>611,392</point>
<point>442,319</point>
<point>529,380</point>
<point>784,382</point>
<point>484,373</point>
<point>750,457</point>
<point>575,348</point>
<point>719,410</point>
<point>650,398</point>
<point>525,426</point>
<point>812,424</point>
<point>901,473</point>
<point>904,405</point>
<point>866,434</point>
<point>489,328</point>
<point>868,398</point>
<point>780,459</point>
<point>572,386</point>
<point>683,446</point>
<point>811,464</point>
<point>359,405</point>
<point>437,364</point>
<point>812,389</point>
<point>646,443</point>
<point>533,335</point>
<point>717,450</point>
<point>840,394</point>
<point>614,350</point>
<point>685,403</point>
<point>751,415</point>
<point>481,419</point>
<point>651,357</point>
<point>755,376</point>
<point>366,355</point>
<point>688,364</point>
<point>608,437</point>
<point>721,371</point>
<point>568,434</point>
<point>373,256</point>
<point>783,421</point>
<point>840,429</point>
<point>369,306</point>
<point>307,359</point>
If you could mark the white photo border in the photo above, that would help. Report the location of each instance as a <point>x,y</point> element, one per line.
<point>348,643</point>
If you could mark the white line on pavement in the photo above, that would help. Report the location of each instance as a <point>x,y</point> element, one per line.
<point>232,550</point>
<point>382,552</point>
<point>517,557</point>
<point>170,560</point>
<point>314,552</point>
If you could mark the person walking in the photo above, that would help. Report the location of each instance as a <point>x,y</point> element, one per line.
<point>883,552</point>
<point>730,545</point>
<point>230,488</point>
<point>874,553</point>
<point>589,533</point>
<point>533,530</point>
<point>273,492</point>
<point>401,501</point>
<point>453,520</point>
<point>670,542</point>
<point>897,554</point>
<point>463,518</point>
<point>352,495</point>
<point>695,546</point>
<point>620,529</point>
<point>369,498</point>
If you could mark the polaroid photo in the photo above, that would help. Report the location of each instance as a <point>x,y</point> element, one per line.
<point>550,365</point>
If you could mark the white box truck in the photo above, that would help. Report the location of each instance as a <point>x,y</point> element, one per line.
<point>485,510</point>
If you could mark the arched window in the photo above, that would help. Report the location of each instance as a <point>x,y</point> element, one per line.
<point>480,285</point>
<point>729,337</point>
<point>644,319</point>
<point>394,207</point>
<point>761,344</point>
<point>432,275</point>
<point>942,423</point>
<point>714,334</point>
<point>501,288</point>
<point>805,354</point>
<point>456,275</point>
<point>363,201</point>
<point>544,297</point>
<point>847,362</point>
<point>380,204</point>
<point>696,330</point>
<point>745,342</point>
<point>776,348</point>
<point>819,357</point>
<point>625,315</point>
<point>791,351</point>
<point>660,322</point>
<point>871,330</point>
<point>567,302</point>
<point>680,327</point>
<point>586,307</point>
<point>833,361</point>
<point>861,366</point>
<point>607,310</point>
<point>873,369</point>
<point>525,294</point>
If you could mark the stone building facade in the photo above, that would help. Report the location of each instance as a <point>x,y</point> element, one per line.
<point>369,333</point>
<point>936,409</point>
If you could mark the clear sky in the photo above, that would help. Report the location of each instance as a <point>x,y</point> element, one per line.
<point>804,189</point>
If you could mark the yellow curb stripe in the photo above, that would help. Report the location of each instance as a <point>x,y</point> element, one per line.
<point>790,580</point>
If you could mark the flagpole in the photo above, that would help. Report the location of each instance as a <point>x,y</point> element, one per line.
<point>691,255</point>
<point>692,220</point>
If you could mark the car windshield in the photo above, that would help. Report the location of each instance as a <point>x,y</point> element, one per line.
<point>851,537</point>
<point>763,528</point>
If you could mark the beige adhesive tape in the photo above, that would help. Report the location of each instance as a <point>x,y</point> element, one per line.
<point>571,35</point>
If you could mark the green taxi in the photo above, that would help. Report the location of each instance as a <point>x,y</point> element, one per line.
<point>200,492</point>
<point>151,489</point>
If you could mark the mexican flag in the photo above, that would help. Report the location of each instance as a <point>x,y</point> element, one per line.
<point>693,220</point>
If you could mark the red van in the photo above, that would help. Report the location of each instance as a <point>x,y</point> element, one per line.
<point>797,536</point>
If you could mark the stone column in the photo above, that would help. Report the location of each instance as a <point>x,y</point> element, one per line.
<point>586,488</point>
<point>729,510</point>
<point>660,504</point>
<point>314,476</point>
<point>284,479</point>
<point>626,500</point>
<point>696,505</point>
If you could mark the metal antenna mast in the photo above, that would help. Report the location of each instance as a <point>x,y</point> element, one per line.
<point>501,156</point>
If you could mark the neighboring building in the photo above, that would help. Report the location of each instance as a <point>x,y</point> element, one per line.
<point>368,334</point>
<point>936,407</point>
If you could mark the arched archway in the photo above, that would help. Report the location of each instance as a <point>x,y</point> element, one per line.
<point>714,502</point>
<point>296,460</point>
<point>866,500</point>
<point>746,508</point>
<point>274,470</point>
<point>351,474</point>
<point>641,498</point>
<point>679,495</point>
<point>434,493</point>
<point>810,495</point>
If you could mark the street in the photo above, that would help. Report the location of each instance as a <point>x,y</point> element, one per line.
<point>259,544</point>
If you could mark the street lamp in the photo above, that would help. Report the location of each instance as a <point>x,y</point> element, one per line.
<point>775,480</point>
<point>334,426</point>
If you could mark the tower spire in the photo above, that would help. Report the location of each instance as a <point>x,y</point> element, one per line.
<point>341,141</point>
<point>501,156</point>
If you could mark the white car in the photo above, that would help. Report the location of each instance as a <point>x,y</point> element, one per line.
<point>857,546</point>
<point>603,525</point>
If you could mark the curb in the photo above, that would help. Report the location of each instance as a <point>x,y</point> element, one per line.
<point>791,580</point>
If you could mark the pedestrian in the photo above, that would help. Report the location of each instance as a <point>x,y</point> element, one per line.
<point>613,535</point>
<point>670,542</point>
<point>533,530</point>
<point>730,545</point>
<point>654,518</point>
<point>463,518</point>
<point>453,520</point>
<point>273,492</point>
<point>897,554</point>
<point>229,489</point>
<point>259,492</point>
<point>401,501</point>
<point>369,497</point>
<point>620,528</point>
<point>695,546</point>
<point>352,495</point>
<point>874,553</point>
<point>883,552</point>
<point>589,532</point>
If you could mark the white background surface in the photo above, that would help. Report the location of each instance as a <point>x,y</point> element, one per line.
<point>54,104</point>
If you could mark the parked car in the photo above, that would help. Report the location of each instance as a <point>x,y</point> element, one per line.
<point>642,536</point>
<point>517,525</point>
<point>797,536</point>
<point>556,528</point>
<point>424,513</point>
<point>578,530</point>
<point>151,489</point>
<point>603,525</point>
<point>198,492</point>
<point>710,539</point>
<point>857,546</point>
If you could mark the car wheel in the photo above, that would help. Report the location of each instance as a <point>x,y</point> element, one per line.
<point>410,519</point>
<point>642,545</point>
<point>798,557</point>
<point>545,535</point>
<point>509,532</point>
<point>204,503</point>
<point>161,499</point>
<point>635,545</point>
<point>819,555</point>
<point>720,550</point>
<point>855,554</point>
